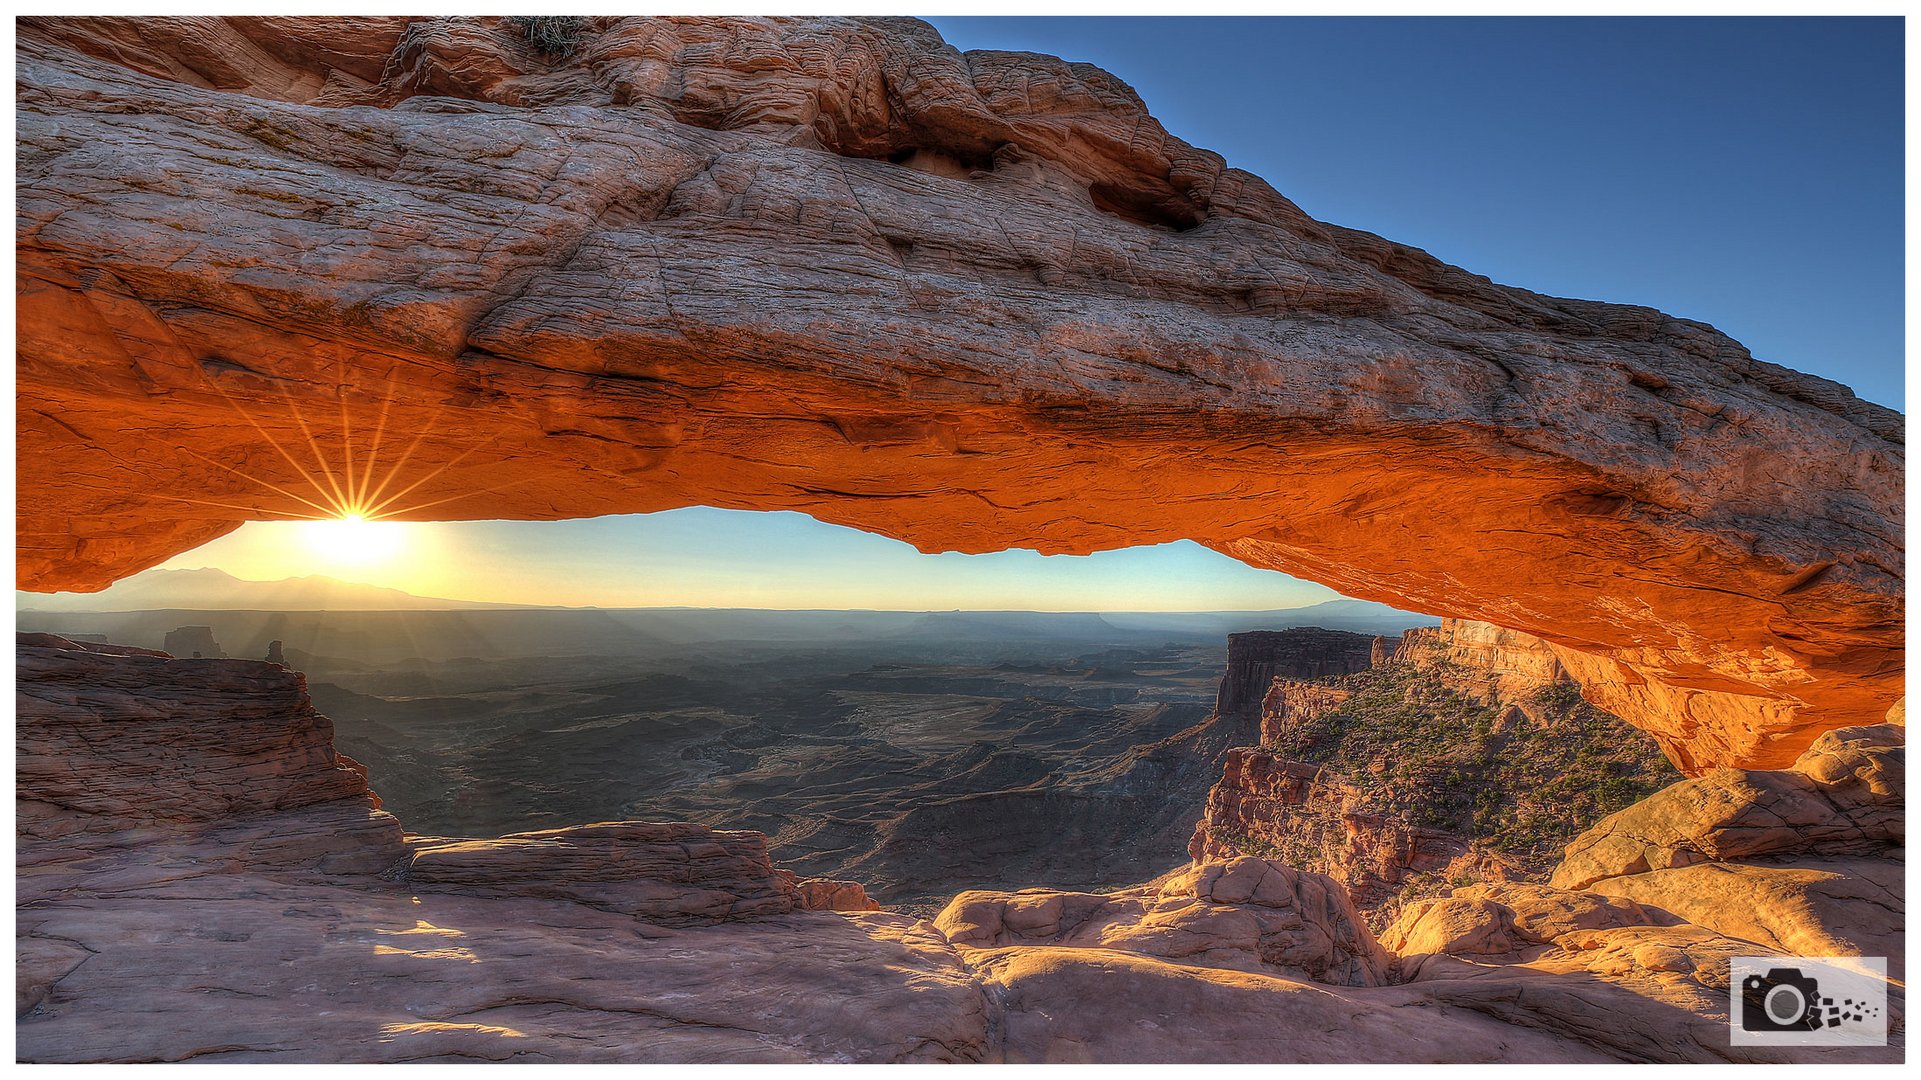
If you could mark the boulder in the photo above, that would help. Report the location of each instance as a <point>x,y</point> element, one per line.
<point>829,894</point>
<point>1245,914</point>
<point>1845,796</point>
<point>1817,907</point>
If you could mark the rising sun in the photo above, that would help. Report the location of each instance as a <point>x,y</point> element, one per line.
<point>354,539</point>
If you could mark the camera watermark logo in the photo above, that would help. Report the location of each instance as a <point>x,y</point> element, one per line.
<point>1808,1000</point>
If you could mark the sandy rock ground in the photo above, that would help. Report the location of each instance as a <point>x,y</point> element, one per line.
<point>305,927</point>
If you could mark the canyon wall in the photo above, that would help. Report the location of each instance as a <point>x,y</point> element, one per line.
<point>1445,718</point>
<point>1481,661</point>
<point>973,301</point>
<point>1305,815</point>
<point>1256,659</point>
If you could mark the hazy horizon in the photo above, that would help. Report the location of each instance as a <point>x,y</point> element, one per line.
<point>26,600</point>
<point>704,557</point>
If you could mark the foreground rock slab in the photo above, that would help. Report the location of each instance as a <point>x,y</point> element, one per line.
<point>1243,913</point>
<point>265,971</point>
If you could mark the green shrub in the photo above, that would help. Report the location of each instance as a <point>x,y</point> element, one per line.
<point>1420,752</point>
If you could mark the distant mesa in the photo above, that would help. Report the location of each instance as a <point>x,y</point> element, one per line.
<point>192,641</point>
<point>208,589</point>
<point>1255,659</point>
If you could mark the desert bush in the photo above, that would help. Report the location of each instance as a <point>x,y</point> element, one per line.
<point>551,35</point>
<point>1420,752</point>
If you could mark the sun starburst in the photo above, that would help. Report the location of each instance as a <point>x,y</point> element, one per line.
<point>349,488</point>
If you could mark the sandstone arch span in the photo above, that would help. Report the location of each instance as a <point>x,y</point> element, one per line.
<point>972,301</point>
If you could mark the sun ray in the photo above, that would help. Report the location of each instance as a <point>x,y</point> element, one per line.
<point>360,488</point>
<point>271,441</point>
<point>340,500</point>
<point>450,463</point>
<point>326,510</point>
<point>283,515</point>
<point>405,456</point>
<point>380,435</point>
<point>463,495</point>
<point>352,505</point>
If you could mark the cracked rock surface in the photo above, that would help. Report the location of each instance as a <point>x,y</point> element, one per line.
<point>972,301</point>
<point>301,925</point>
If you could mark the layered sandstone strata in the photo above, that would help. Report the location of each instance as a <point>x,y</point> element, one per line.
<point>1255,659</point>
<point>1481,662</point>
<point>117,747</point>
<point>974,301</point>
<point>664,872</point>
<point>1240,913</point>
<point>1291,703</point>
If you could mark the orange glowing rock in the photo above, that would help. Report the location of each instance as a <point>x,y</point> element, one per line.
<point>834,266</point>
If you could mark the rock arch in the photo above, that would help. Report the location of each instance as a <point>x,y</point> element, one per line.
<point>971,301</point>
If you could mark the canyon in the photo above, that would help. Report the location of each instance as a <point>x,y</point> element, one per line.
<point>919,753</point>
<point>202,877</point>
<point>450,268</point>
<point>972,301</point>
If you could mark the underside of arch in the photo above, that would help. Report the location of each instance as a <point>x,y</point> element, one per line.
<point>973,301</point>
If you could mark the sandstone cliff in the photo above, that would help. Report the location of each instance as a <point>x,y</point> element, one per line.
<point>1483,662</point>
<point>1306,815</point>
<point>1256,659</point>
<point>1468,757</point>
<point>973,301</point>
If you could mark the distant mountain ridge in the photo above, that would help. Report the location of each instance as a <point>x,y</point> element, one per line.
<point>208,589</point>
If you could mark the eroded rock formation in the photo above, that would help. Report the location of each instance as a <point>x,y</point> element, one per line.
<point>1291,703</point>
<point>1658,897</point>
<point>1483,662</point>
<point>1306,815</point>
<point>1255,659</point>
<point>1241,913</point>
<point>972,301</point>
<point>1463,756</point>
<point>123,744</point>
<point>192,641</point>
<point>1846,796</point>
<point>272,928</point>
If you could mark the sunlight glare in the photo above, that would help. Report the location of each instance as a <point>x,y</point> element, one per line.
<point>354,540</point>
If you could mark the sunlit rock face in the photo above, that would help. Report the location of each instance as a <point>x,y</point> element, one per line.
<point>971,301</point>
<point>119,748</point>
<point>1805,861</point>
<point>1484,663</point>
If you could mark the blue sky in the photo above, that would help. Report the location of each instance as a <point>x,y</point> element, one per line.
<point>1743,172</point>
